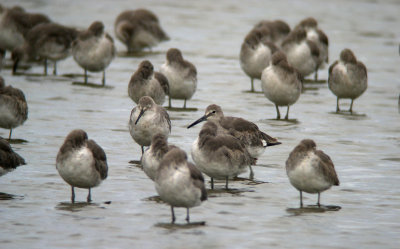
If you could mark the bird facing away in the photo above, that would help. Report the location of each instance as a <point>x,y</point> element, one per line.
<point>46,41</point>
<point>317,36</point>
<point>146,82</point>
<point>247,132</point>
<point>179,183</point>
<point>256,52</point>
<point>220,156</point>
<point>181,75</point>
<point>278,30</point>
<point>94,50</point>
<point>310,170</point>
<point>153,155</point>
<point>301,53</point>
<point>148,119</point>
<point>281,83</point>
<point>13,107</point>
<point>9,160</point>
<point>139,29</point>
<point>81,162</point>
<point>14,25</point>
<point>347,78</point>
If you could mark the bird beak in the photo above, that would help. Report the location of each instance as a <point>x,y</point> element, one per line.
<point>140,115</point>
<point>204,118</point>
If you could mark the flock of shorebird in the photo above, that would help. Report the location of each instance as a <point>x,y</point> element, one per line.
<point>225,147</point>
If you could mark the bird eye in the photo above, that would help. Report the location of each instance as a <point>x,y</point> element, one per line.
<point>213,111</point>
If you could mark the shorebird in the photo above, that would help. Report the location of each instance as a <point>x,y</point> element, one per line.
<point>9,160</point>
<point>146,82</point>
<point>94,50</point>
<point>82,163</point>
<point>139,29</point>
<point>310,170</point>
<point>148,119</point>
<point>301,53</point>
<point>219,155</point>
<point>319,38</point>
<point>347,78</point>
<point>14,25</point>
<point>179,183</point>
<point>13,107</point>
<point>181,75</point>
<point>153,155</point>
<point>46,41</point>
<point>247,132</point>
<point>281,83</point>
<point>278,30</point>
<point>256,53</point>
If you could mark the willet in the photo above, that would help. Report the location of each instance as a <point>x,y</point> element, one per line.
<point>218,155</point>
<point>82,163</point>
<point>9,160</point>
<point>13,107</point>
<point>247,132</point>
<point>94,50</point>
<point>146,82</point>
<point>14,25</point>
<point>310,170</point>
<point>153,155</point>
<point>181,75</point>
<point>347,78</point>
<point>278,30</point>
<point>301,53</point>
<point>281,83</point>
<point>148,119</point>
<point>318,36</point>
<point>256,53</point>
<point>139,29</point>
<point>179,183</point>
<point>48,41</point>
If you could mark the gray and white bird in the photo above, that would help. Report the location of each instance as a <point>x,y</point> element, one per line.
<point>256,53</point>
<point>348,78</point>
<point>152,157</point>
<point>310,170</point>
<point>94,50</point>
<point>15,23</point>
<point>139,29</point>
<point>146,82</point>
<point>46,41</point>
<point>301,53</point>
<point>13,107</point>
<point>179,183</point>
<point>9,160</point>
<point>81,162</point>
<point>148,119</point>
<point>181,75</point>
<point>218,155</point>
<point>281,83</point>
<point>315,34</point>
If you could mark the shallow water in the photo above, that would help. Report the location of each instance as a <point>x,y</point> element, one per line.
<point>363,212</point>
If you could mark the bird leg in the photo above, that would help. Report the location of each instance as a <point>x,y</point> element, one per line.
<point>45,66</point>
<point>72,194</point>
<point>85,76</point>
<point>9,135</point>
<point>169,102</point>
<point>251,176</point>
<point>103,80</point>
<point>89,197</point>
<point>55,68</point>
<point>173,215</point>
<point>278,114</point>
<point>337,105</point>
<point>351,106</point>
<point>184,104</point>
<point>212,183</point>
<point>301,199</point>
<point>287,113</point>
<point>226,183</point>
<point>252,85</point>
<point>187,215</point>
<point>319,196</point>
